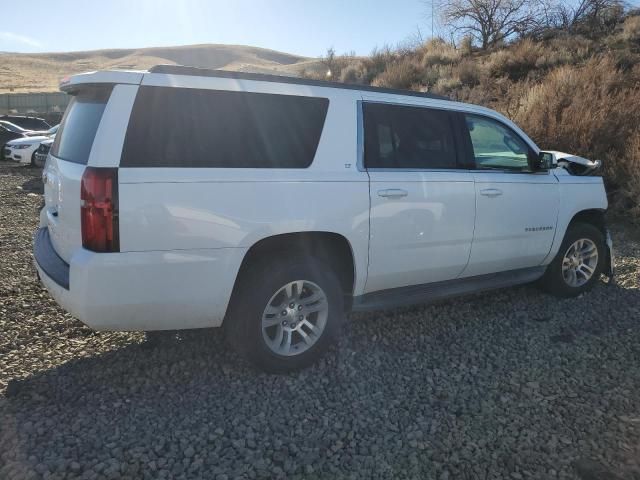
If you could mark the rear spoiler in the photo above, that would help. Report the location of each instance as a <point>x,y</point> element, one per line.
<point>69,84</point>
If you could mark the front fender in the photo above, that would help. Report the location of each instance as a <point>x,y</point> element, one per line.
<point>577,194</point>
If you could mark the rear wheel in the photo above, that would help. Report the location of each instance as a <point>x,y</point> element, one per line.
<point>579,262</point>
<point>285,314</point>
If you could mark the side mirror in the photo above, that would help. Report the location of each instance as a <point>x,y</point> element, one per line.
<point>545,161</point>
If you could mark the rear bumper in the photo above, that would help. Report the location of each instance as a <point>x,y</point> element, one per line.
<point>48,260</point>
<point>163,290</point>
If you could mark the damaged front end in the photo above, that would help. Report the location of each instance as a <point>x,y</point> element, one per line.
<point>575,165</point>
<point>568,164</point>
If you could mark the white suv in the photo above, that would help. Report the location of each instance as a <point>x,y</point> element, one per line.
<point>185,198</point>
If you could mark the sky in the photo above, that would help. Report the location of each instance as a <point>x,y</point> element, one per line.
<point>302,27</point>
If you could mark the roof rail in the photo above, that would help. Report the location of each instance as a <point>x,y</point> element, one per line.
<point>262,77</point>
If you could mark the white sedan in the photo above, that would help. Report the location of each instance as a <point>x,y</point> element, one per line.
<point>23,149</point>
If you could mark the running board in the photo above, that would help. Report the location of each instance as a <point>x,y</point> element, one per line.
<point>431,292</point>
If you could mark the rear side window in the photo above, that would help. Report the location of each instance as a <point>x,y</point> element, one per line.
<point>79,125</point>
<point>181,127</point>
<point>408,137</point>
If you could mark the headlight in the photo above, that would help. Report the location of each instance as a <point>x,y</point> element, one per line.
<point>19,147</point>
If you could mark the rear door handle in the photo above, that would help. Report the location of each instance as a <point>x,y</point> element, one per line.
<point>393,193</point>
<point>491,192</point>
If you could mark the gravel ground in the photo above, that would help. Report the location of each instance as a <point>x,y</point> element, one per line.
<point>513,384</point>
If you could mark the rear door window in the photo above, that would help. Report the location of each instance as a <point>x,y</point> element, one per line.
<point>408,137</point>
<point>79,125</point>
<point>183,127</point>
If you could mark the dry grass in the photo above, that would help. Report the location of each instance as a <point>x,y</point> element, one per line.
<point>631,30</point>
<point>568,92</point>
<point>515,62</point>
<point>437,52</point>
<point>594,111</point>
<point>571,93</point>
<point>402,73</point>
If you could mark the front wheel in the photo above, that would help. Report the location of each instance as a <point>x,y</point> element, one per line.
<point>285,313</point>
<point>579,262</point>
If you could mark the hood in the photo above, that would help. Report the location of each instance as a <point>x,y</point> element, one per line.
<point>28,140</point>
<point>576,165</point>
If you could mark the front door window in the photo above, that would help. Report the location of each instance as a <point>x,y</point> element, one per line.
<point>497,147</point>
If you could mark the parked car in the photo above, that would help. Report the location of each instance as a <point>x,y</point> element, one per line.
<point>6,135</point>
<point>13,127</point>
<point>30,133</point>
<point>42,152</point>
<point>26,122</point>
<point>185,198</point>
<point>24,149</point>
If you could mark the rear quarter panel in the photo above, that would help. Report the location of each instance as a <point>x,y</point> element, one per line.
<point>164,209</point>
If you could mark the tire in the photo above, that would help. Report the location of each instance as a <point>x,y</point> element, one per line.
<point>563,283</point>
<point>33,159</point>
<point>314,297</point>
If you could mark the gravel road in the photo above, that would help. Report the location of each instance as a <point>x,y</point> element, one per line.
<point>507,385</point>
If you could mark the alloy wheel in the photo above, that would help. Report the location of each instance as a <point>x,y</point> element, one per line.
<point>579,262</point>
<point>294,318</point>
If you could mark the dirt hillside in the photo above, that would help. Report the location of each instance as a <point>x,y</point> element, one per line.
<point>42,72</point>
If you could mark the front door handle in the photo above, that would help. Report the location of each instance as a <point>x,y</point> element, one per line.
<point>393,193</point>
<point>491,192</point>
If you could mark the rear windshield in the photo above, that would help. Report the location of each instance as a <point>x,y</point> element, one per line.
<point>79,125</point>
<point>183,127</point>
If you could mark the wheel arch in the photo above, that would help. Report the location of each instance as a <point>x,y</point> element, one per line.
<point>593,216</point>
<point>330,247</point>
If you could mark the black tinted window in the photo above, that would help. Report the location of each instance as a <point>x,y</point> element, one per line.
<point>180,127</point>
<point>408,137</point>
<point>79,125</point>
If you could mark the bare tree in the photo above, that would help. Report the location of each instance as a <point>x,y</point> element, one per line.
<point>590,15</point>
<point>490,21</point>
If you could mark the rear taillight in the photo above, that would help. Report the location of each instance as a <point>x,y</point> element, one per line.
<point>99,209</point>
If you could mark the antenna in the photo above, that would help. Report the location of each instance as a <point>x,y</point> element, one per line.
<point>432,13</point>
